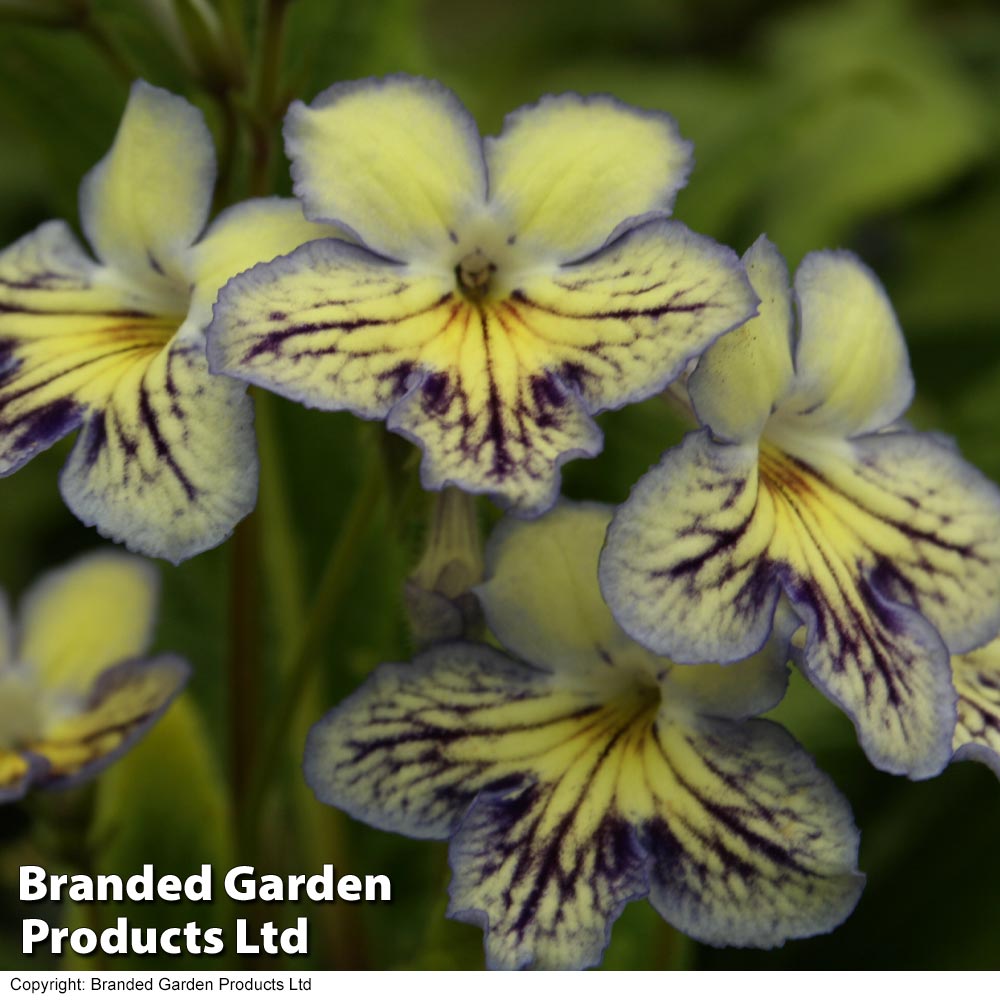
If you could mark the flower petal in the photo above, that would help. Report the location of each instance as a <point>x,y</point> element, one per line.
<point>733,691</point>
<point>88,615</point>
<point>542,601</point>
<point>243,235</point>
<point>122,704</point>
<point>398,161</point>
<point>565,172</point>
<point>742,375</point>
<point>66,336</point>
<point>411,748</point>
<point>685,569</point>
<point>619,326</point>
<point>145,203</point>
<point>852,371</point>
<point>977,680</point>
<point>169,464</point>
<point>751,843</point>
<point>18,772</point>
<point>932,524</point>
<point>544,873</point>
<point>492,426</point>
<point>541,598</point>
<point>332,326</point>
<point>497,392</point>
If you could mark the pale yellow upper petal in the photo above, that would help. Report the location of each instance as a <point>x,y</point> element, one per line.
<point>243,235</point>
<point>396,160</point>
<point>741,377</point>
<point>92,613</point>
<point>145,203</point>
<point>565,172</point>
<point>852,371</point>
<point>541,597</point>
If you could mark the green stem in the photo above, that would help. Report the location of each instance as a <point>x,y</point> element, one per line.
<point>243,677</point>
<point>231,15</point>
<point>267,109</point>
<point>340,567</point>
<point>321,834</point>
<point>227,150</point>
<point>271,53</point>
<point>282,554</point>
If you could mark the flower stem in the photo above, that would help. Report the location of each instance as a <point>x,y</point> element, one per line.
<point>243,677</point>
<point>320,832</point>
<point>341,564</point>
<point>231,15</point>
<point>227,151</point>
<point>267,107</point>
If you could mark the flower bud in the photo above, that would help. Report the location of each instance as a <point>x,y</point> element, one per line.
<point>438,597</point>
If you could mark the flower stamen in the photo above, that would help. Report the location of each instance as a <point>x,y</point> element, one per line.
<point>474,272</point>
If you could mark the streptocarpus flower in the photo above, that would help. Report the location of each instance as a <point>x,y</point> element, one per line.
<point>166,460</point>
<point>885,541</point>
<point>503,292</point>
<point>76,686</point>
<point>578,771</point>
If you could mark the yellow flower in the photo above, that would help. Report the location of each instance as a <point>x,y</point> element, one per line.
<point>503,292</point>
<point>577,771</point>
<point>886,543</point>
<point>77,688</point>
<point>166,460</point>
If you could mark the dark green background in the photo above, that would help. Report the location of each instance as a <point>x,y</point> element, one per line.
<point>873,125</point>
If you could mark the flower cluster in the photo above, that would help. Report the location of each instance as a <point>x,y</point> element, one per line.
<point>487,298</point>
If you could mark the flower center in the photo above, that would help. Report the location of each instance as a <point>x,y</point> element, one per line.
<point>474,273</point>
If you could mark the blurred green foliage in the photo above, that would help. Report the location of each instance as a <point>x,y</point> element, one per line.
<point>872,124</point>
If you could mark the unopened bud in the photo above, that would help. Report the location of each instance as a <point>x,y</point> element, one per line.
<point>438,594</point>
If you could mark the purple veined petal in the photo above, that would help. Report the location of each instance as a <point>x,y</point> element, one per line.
<point>977,681</point>
<point>751,843</point>
<point>124,702</point>
<point>64,334</point>
<point>565,801</point>
<point>168,465</point>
